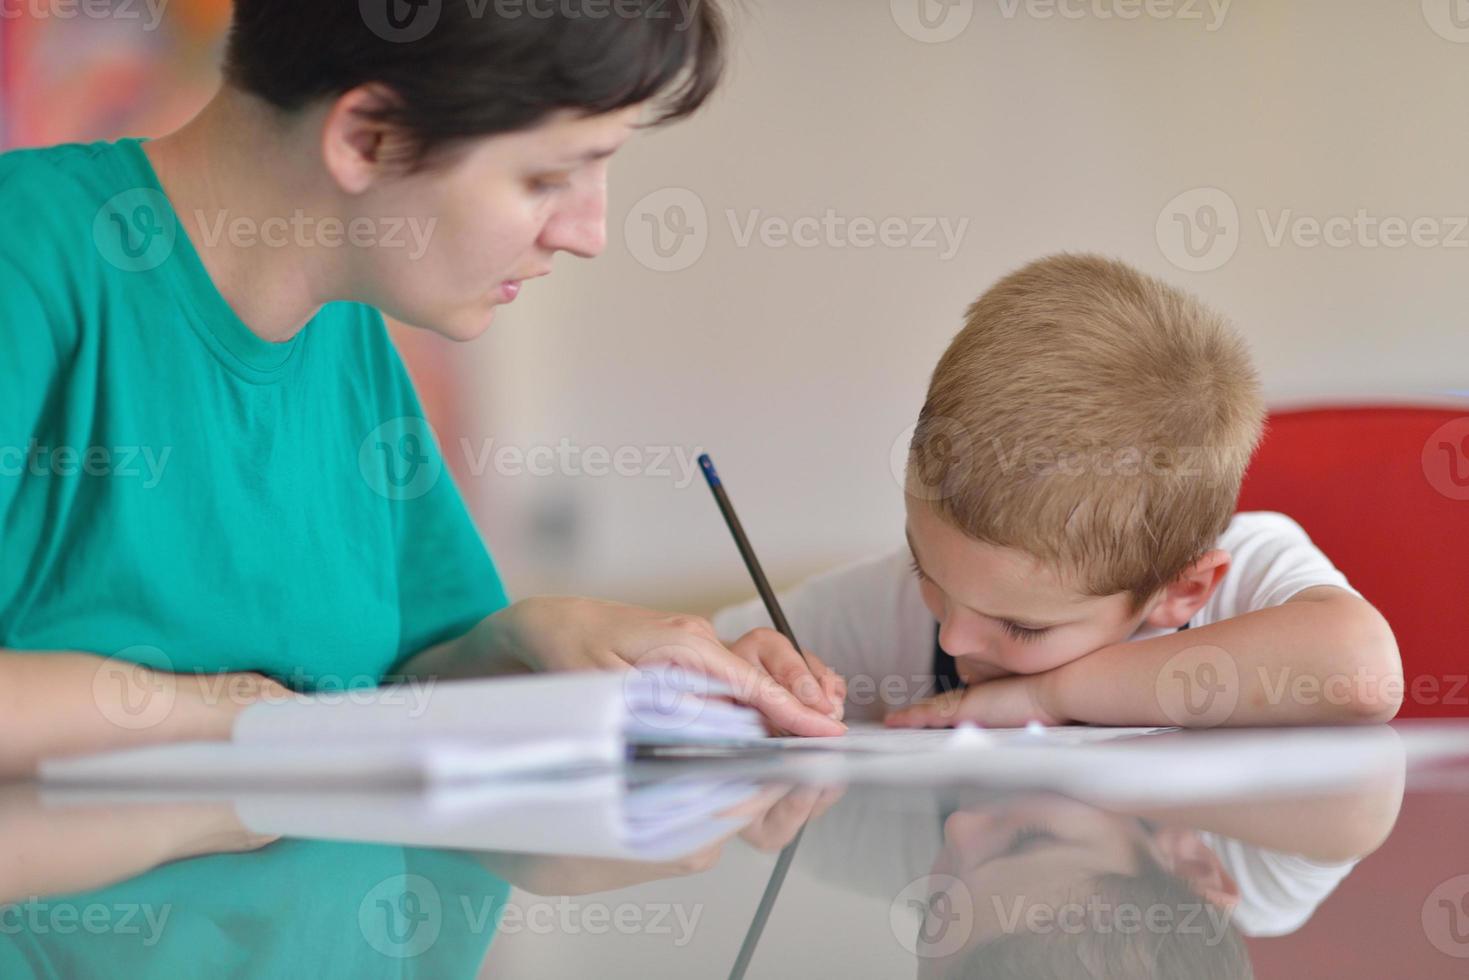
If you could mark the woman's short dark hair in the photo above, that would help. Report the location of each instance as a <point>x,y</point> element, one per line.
<point>466,68</point>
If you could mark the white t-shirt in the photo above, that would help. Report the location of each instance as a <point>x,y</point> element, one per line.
<point>1278,892</point>
<point>868,622</point>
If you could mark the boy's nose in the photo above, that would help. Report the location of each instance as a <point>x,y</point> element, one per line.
<point>961,636</point>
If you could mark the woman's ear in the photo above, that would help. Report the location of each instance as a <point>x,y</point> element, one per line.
<point>357,149</point>
<point>1184,596</point>
<point>1183,854</point>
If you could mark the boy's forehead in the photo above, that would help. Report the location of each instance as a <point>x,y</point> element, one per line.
<point>1010,583</point>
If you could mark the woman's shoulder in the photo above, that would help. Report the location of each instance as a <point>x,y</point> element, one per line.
<point>48,261</point>
<point>53,197</point>
<point>59,188</point>
<point>58,155</point>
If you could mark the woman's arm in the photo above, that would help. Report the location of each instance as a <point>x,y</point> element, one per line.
<point>62,703</point>
<point>49,849</point>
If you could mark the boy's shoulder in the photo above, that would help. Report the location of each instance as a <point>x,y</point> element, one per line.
<point>1261,525</point>
<point>883,574</point>
<point>1272,558</point>
<point>875,585</point>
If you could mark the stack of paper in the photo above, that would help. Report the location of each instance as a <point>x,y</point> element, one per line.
<point>452,731</point>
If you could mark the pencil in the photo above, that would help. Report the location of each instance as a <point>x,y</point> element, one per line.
<point>747,552</point>
<point>772,606</point>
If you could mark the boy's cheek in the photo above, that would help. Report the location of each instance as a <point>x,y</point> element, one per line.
<point>973,671</point>
<point>1038,660</point>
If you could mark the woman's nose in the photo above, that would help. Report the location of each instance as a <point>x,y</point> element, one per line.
<point>581,226</point>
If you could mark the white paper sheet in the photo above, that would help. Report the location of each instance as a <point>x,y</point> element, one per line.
<point>411,763</point>
<point>589,815</point>
<point>875,738</point>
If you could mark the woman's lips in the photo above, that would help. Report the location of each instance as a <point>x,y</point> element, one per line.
<point>510,288</point>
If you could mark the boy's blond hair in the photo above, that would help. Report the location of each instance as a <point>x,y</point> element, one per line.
<point>1094,418</point>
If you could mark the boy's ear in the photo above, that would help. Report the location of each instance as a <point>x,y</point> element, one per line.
<point>1183,597</point>
<point>1184,854</point>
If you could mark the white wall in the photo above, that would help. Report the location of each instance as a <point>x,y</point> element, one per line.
<point>799,368</point>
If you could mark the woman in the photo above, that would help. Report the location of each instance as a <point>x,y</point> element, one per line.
<point>211,458</point>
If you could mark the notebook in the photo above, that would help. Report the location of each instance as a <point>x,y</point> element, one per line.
<point>594,814</point>
<point>444,732</point>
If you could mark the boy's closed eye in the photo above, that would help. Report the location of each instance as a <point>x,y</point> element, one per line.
<point>1028,837</point>
<point>1025,634</point>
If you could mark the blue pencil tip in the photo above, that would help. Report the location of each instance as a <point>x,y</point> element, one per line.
<point>710,473</point>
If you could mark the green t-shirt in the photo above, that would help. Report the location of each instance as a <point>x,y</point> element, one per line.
<point>176,491</point>
<point>297,908</point>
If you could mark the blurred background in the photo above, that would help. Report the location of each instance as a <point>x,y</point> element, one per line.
<point>783,271</point>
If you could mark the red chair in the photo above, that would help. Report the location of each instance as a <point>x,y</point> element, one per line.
<point>1384,491</point>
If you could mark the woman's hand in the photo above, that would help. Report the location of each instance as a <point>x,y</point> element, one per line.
<point>785,812</point>
<point>763,670</point>
<point>803,674</point>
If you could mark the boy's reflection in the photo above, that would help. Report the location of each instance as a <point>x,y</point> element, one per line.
<point>1048,886</point>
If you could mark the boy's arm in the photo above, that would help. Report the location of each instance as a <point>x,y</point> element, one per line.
<point>1342,825</point>
<point>1324,656</point>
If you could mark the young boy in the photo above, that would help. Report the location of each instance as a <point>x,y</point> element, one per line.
<point>1072,549</point>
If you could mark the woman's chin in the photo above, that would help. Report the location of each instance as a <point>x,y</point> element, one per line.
<point>464,326</point>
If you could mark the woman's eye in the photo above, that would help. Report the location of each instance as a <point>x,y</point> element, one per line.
<point>546,185</point>
<point>1023,634</point>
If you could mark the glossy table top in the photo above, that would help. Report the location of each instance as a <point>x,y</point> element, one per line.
<point>1287,854</point>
